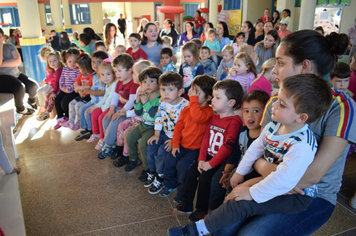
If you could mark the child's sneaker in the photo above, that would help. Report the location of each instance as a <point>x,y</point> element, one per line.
<point>197,215</point>
<point>143,176</point>
<point>156,186</point>
<point>183,208</point>
<point>166,191</point>
<point>43,116</point>
<point>74,127</point>
<point>149,180</point>
<point>177,200</point>
<point>132,165</point>
<point>123,160</point>
<point>84,134</point>
<point>117,152</point>
<point>105,151</point>
<point>93,138</point>
<point>99,145</point>
<point>187,230</point>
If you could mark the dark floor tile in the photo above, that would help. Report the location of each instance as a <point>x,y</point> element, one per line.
<point>351,232</point>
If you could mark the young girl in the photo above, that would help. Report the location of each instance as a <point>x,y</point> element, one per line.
<point>66,84</point>
<point>112,39</point>
<point>264,82</point>
<point>55,67</point>
<point>191,60</point>
<point>244,71</point>
<point>84,81</point>
<point>226,63</point>
<point>238,41</point>
<point>266,48</point>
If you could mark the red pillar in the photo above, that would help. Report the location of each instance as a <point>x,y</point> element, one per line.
<point>170,3</point>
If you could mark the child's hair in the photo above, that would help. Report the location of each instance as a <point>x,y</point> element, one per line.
<point>64,37</point>
<point>56,54</point>
<point>125,60</point>
<point>151,72</point>
<point>85,38</point>
<point>205,83</point>
<point>171,78</point>
<point>84,63</point>
<point>238,35</point>
<point>136,36</point>
<point>228,49</point>
<point>167,39</point>
<point>106,65</point>
<point>76,35</point>
<point>341,70</point>
<point>193,49</point>
<point>197,42</point>
<point>211,31</point>
<point>259,95</point>
<point>100,54</point>
<point>311,94</point>
<point>120,46</point>
<point>248,61</point>
<point>69,52</point>
<point>44,51</point>
<point>99,43</point>
<point>52,31</point>
<point>248,49</point>
<point>268,65</point>
<point>167,51</point>
<point>142,64</point>
<point>205,48</point>
<point>233,90</point>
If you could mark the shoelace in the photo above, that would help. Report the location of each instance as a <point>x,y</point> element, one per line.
<point>156,183</point>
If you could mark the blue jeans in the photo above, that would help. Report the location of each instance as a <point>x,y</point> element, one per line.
<point>199,31</point>
<point>156,154</point>
<point>303,223</point>
<point>84,117</point>
<point>215,59</point>
<point>110,128</point>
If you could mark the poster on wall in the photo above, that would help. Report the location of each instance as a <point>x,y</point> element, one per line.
<point>235,22</point>
<point>328,18</point>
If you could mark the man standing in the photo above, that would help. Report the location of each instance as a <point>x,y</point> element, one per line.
<point>121,22</point>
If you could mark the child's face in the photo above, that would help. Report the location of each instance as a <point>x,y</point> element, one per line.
<point>227,56</point>
<point>240,40</point>
<point>134,42</point>
<point>52,33</point>
<point>72,61</point>
<point>135,74</point>
<point>340,84</point>
<point>188,57</point>
<point>211,37</point>
<point>283,110</point>
<point>150,85</point>
<point>119,50</point>
<point>151,33</point>
<point>240,67</point>
<point>53,62</point>
<point>95,62</point>
<point>106,75</point>
<point>252,113</point>
<point>204,54</point>
<point>122,73</point>
<point>202,98</point>
<point>102,48</point>
<point>170,94</point>
<point>220,101</point>
<point>165,59</point>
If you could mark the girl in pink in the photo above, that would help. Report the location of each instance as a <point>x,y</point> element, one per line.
<point>264,82</point>
<point>244,71</point>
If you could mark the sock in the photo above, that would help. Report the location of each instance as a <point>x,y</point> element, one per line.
<point>160,175</point>
<point>202,230</point>
<point>125,154</point>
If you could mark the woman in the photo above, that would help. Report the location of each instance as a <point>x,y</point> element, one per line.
<point>142,25</point>
<point>189,34</point>
<point>303,52</point>
<point>266,49</point>
<point>249,31</point>
<point>259,33</point>
<point>14,39</point>
<point>275,19</point>
<point>111,38</point>
<point>208,26</point>
<point>65,42</point>
<point>222,33</point>
<point>170,31</point>
<point>94,37</point>
<point>267,27</point>
<point>152,44</point>
<point>199,22</point>
<point>12,80</point>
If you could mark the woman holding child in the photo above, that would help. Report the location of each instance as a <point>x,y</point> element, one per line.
<point>170,31</point>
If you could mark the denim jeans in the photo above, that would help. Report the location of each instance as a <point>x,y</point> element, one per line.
<point>110,128</point>
<point>199,31</point>
<point>156,154</point>
<point>84,117</point>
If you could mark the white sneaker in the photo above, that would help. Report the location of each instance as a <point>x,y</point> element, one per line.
<point>352,201</point>
<point>93,138</point>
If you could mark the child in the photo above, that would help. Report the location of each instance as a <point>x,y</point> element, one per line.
<point>119,49</point>
<point>340,78</point>
<point>170,107</point>
<point>96,92</point>
<point>209,66</point>
<point>191,64</point>
<point>226,63</point>
<point>213,45</point>
<point>55,67</point>
<point>197,42</point>
<point>122,101</point>
<point>84,81</point>
<point>218,142</point>
<point>288,142</point>
<point>244,71</point>
<point>54,40</point>
<point>135,51</point>
<point>83,42</point>
<point>238,42</point>
<point>146,106</point>
<point>100,46</point>
<point>166,63</point>
<point>187,135</point>
<point>167,39</point>
<point>66,84</point>
<point>266,79</point>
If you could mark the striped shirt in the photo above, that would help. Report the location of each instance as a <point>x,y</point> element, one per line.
<point>67,78</point>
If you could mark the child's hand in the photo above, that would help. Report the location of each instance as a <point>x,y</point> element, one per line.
<point>206,166</point>
<point>65,90</point>
<point>16,169</point>
<point>236,179</point>
<point>233,72</point>
<point>116,116</point>
<point>109,115</point>
<point>200,166</point>
<point>152,139</point>
<point>192,92</point>
<point>52,97</point>
<point>225,178</point>
<point>43,83</point>
<point>81,94</point>
<point>240,193</point>
<point>174,151</point>
<point>169,145</point>
<point>90,109</point>
<point>86,91</point>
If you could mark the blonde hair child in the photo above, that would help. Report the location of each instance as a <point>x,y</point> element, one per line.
<point>266,79</point>
<point>120,49</point>
<point>227,62</point>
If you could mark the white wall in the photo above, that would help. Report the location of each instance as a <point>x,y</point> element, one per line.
<point>141,8</point>
<point>348,17</point>
<point>253,9</point>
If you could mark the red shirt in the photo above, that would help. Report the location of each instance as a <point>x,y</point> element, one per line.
<point>125,90</point>
<point>139,54</point>
<point>199,21</point>
<point>283,34</point>
<point>264,19</point>
<point>85,81</point>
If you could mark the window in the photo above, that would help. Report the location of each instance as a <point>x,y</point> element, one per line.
<point>190,9</point>
<point>333,2</point>
<point>232,5</point>
<point>9,16</point>
<point>79,13</point>
<point>48,14</point>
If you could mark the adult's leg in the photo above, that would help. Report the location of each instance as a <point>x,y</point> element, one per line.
<point>31,87</point>
<point>42,93</point>
<point>10,84</point>
<point>65,102</point>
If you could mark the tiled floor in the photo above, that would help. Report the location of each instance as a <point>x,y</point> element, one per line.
<point>66,190</point>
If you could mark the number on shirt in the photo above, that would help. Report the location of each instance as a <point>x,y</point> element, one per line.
<point>215,142</point>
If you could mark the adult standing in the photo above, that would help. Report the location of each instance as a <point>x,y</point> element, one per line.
<point>249,31</point>
<point>169,30</point>
<point>112,39</point>
<point>208,26</point>
<point>121,22</point>
<point>189,34</point>
<point>12,80</point>
<point>94,37</point>
<point>265,16</point>
<point>199,22</point>
<point>106,19</point>
<point>266,48</point>
<point>286,17</point>
<point>283,32</point>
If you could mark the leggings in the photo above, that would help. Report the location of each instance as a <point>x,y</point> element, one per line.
<point>97,117</point>
<point>11,84</point>
<point>42,93</point>
<point>49,104</point>
<point>62,103</point>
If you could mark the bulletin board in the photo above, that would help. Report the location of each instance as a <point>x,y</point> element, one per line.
<point>232,19</point>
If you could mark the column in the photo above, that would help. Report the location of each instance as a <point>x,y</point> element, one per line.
<point>66,14</point>
<point>57,16</point>
<point>213,12</point>
<point>32,40</point>
<point>288,4</point>
<point>307,10</point>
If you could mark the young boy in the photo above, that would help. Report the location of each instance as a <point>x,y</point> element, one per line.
<point>100,46</point>
<point>96,92</point>
<point>209,66</point>
<point>213,45</point>
<point>218,142</point>
<point>166,63</point>
<point>120,49</point>
<point>187,135</point>
<point>135,51</point>
<point>288,142</point>
<point>146,106</point>
<point>84,41</point>
<point>340,78</point>
<point>170,107</point>
<point>226,64</point>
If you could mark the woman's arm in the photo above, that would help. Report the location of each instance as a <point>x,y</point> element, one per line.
<point>14,62</point>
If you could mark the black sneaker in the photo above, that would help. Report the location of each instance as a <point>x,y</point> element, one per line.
<point>143,176</point>
<point>156,186</point>
<point>117,152</point>
<point>123,160</point>
<point>131,165</point>
<point>85,134</point>
<point>149,180</point>
<point>197,215</point>
<point>187,230</point>
<point>183,208</point>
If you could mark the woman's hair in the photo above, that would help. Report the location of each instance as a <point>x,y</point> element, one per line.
<point>320,28</point>
<point>140,28</point>
<point>56,54</point>
<point>310,45</point>
<point>248,61</point>
<point>199,12</point>
<point>171,23</point>
<point>76,35</point>
<point>275,35</point>
<point>144,38</point>
<point>193,49</point>
<point>65,38</point>
<point>106,65</point>
<point>210,25</point>
<point>107,34</point>
<point>268,65</point>
<point>192,25</point>
<point>84,63</point>
<point>277,14</point>
<point>250,26</point>
<point>44,51</point>
<point>226,29</point>
<point>11,31</point>
<point>142,64</point>
<point>92,33</point>
<point>69,52</point>
<point>259,21</point>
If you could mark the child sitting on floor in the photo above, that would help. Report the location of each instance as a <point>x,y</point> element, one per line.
<point>166,62</point>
